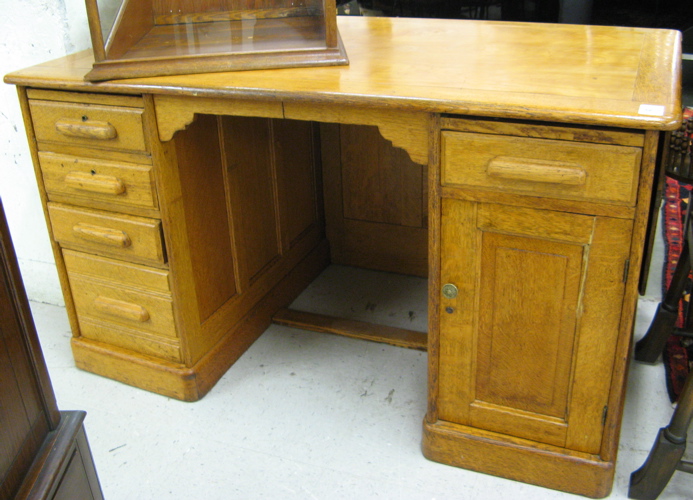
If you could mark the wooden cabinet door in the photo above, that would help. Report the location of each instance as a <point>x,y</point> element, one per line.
<point>527,344</point>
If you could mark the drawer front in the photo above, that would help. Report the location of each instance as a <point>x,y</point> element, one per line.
<point>120,183</point>
<point>123,304</point>
<point>122,236</point>
<point>93,125</point>
<point>541,167</point>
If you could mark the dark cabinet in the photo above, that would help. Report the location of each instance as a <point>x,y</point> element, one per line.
<point>44,452</point>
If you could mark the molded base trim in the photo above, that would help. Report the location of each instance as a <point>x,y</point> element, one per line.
<point>518,459</point>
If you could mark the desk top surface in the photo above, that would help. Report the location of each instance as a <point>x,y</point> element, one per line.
<point>596,75</point>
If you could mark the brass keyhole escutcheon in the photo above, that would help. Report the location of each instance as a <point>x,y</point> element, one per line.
<point>450,291</point>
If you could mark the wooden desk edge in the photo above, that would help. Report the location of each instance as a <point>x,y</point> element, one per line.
<point>656,83</point>
<point>669,120</point>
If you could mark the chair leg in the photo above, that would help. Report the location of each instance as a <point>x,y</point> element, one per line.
<point>663,324</point>
<point>649,481</point>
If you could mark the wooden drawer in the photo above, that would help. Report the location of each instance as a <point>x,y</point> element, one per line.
<point>119,183</point>
<point>85,124</point>
<point>123,304</point>
<point>122,236</point>
<point>541,167</point>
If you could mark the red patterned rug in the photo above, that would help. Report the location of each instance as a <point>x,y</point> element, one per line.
<point>678,352</point>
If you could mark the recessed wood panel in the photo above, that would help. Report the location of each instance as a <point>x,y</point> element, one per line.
<point>379,182</point>
<point>251,182</point>
<point>209,234</point>
<point>375,208</point>
<point>295,165</point>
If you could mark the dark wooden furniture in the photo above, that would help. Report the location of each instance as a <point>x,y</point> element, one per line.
<point>45,454</point>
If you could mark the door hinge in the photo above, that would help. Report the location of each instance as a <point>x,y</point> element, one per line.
<point>605,412</point>
<point>626,268</point>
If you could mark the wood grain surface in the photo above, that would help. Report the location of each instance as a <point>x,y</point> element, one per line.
<point>599,75</point>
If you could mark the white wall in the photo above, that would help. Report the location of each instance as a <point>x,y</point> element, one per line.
<point>31,32</point>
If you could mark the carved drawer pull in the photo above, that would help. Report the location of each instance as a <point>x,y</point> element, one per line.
<point>121,309</point>
<point>98,234</point>
<point>549,171</point>
<point>95,183</point>
<point>86,129</point>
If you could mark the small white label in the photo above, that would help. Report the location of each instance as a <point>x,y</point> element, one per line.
<point>651,110</point>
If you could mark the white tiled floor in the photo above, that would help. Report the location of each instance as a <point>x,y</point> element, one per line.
<point>305,416</point>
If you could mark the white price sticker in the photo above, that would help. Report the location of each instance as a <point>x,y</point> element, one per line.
<point>651,110</point>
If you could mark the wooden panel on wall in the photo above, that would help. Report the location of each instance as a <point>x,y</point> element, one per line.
<point>252,192</point>
<point>209,235</point>
<point>375,203</point>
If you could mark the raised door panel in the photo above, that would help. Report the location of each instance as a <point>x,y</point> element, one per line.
<point>510,333</point>
<point>527,345</point>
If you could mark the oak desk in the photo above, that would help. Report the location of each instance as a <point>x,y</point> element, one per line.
<point>510,163</point>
